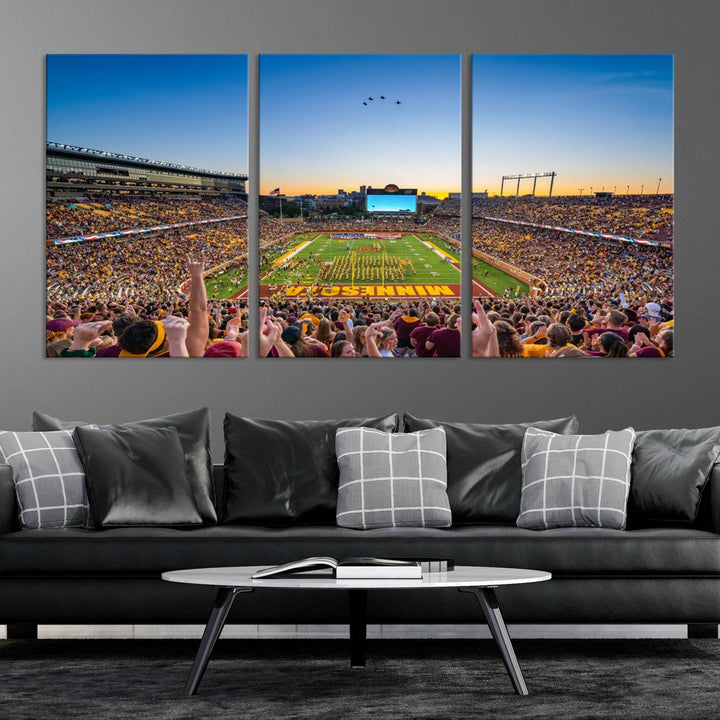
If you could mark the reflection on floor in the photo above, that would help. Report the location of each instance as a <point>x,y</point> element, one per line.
<point>374,631</point>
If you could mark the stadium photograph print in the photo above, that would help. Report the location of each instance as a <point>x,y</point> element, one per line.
<point>357,154</point>
<point>146,206</point>
<point>572,206</point>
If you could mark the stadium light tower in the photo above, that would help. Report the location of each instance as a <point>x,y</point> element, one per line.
<point>642,187</point>
<point>581,191</point>
<point>657,191</point>
<point>627,192</point>
<point>534,176</point>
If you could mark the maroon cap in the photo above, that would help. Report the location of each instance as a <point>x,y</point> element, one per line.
<point>61,324</point>
<point>223,348</point>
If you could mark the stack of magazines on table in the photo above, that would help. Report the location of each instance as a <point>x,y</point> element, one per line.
<point>357,568</point>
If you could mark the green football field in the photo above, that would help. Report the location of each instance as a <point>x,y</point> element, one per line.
<point>429,267</point>
<point>227,284</point>
<point>497,280</point>
<point>413,261</point>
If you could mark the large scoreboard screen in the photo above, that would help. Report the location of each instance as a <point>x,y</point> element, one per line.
<point>391,199</point>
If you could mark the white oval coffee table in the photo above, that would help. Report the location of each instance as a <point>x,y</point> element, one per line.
<point>479,581</point>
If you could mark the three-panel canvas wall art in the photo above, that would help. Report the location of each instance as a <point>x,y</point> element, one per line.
<point>359,237</point>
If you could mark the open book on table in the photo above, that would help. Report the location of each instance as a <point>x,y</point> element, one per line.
<point>352,568</point>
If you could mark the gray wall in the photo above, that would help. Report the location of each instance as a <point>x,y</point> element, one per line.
<point>681,392</point>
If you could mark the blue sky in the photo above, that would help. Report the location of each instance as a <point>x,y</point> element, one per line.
<point>317,136</point>
<point>187,109</point>
<point>597,120</point>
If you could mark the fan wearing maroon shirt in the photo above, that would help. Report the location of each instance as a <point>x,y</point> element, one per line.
<point>615,324</point>
<point>445,342</point>
<point>419,336</point>
<point>404,325</point>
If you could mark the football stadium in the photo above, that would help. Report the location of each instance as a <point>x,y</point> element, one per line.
<point>599,273</point>
<point>124,235</point>
<point>348,287</point>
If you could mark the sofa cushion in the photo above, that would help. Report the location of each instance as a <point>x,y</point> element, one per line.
<point>563,551</point>
<point>392,479</point>
<point>483,463</point>
<point>49,478</point>
<point>136,476</point>
<point>575,480</point>
<point>8,501</point>
<point>193,428</point>
<point>42,422</point>
<point>283,472</point>
<point>669,472</point>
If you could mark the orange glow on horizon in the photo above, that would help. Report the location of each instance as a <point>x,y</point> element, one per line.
<point>440,194</point>
<point>636,188</point>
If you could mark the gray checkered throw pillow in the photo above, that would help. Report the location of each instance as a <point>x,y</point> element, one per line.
<point>392,479</point>
<point>49,478</point>
<point>575,480</point>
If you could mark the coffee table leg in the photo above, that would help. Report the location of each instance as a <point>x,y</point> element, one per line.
<point>488,602</point>
<point>221,608</point>
<point>357,601</point>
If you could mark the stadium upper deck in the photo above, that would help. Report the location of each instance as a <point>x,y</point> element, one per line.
<point>70,168</point>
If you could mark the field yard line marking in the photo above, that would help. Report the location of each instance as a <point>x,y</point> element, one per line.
<point>484,288</point>
<point>438,251</point>
<point>293,252</point>
<point>240,295</point>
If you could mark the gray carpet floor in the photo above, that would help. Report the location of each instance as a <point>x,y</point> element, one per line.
<point>138,679</point>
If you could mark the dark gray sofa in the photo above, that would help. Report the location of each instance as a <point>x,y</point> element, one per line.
<point>641,575</point>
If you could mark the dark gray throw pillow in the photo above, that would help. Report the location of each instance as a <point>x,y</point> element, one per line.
<point>193,428</point>
<point>42,422</point>
<point>136,476</point>
<point>669,471</point>
<point>483,466</point>
<point>285,472</point>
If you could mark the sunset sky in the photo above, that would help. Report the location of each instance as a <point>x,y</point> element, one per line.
<point>597,120</point>
<point>317,136</point>
<point>185,109</point>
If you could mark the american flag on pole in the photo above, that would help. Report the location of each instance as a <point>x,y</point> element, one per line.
<point>276,191</point>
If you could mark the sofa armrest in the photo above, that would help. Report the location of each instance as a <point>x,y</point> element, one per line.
<point>715,496</point>
<point>7,500</point>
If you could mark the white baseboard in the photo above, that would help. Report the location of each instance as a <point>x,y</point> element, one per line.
<point>341,631</point>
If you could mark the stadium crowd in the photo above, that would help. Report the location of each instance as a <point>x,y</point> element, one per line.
<point>555,328</point>
<point>592,297</point>
<point>638,216</point>
<point>145,296</point>
<point>325,327</point>
<point>152,325</point>
<point>143,266</point>
<point>108,213</point>
<point>575,265</point>
<point>627,215</point>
